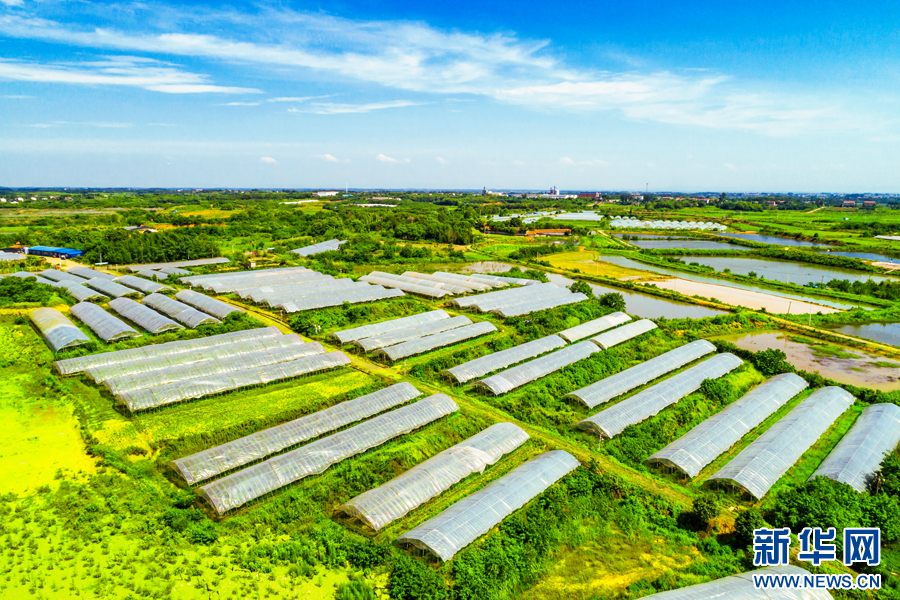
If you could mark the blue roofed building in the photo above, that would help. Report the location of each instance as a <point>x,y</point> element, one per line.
<point>53,252</point>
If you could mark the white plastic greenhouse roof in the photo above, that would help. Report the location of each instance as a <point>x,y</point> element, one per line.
<point>702,444</point>
<point>245,283</point>
<point>398,336</point>
<point>54,275</point>
<point>510,379</point>
<point>475,515</point>
<point>107,327</point>
<point>262,444</point>
<point>492,300</point>
<point>433,342</point>
<point>643,405</point>
<point>71,366</point>
<point>497,279</point>
<point>451,288</point>
<point>761,464</point>
<point>79,292</point>
<point>579,332</point>
<point>142,285</point>
<point>460,280</point>
<point>180,391</point>
<point>429,479</point>
<point>223,351</point>
<point>276,294</point>
<point>503,359</point>
<point>320,247</point>
<point>172,271</point>
<point>11,256</point>
<point>624,333</point>
<point>364,331</point>
<point>860,453</point>
<point>404,284</point>
<point>58,331</point>
<point>181,263</point>
<point>210,306</point>
<point>491,282</point>
<point>89,273</point>
<point>210,368</point>
<point>179,311</point>
<point>338,297</point>
<point>153,275</point>
<point>38,278</point>
<point>146,318</point>
<point>112,289</point>
<point>538,304</point>
<point>638,375</point>
<point>742,587</point>
<point>258,480</point>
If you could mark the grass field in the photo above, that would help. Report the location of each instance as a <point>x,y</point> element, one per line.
<point>590,263</point>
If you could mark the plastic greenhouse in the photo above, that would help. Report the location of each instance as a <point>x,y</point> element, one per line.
<point>336,298</point>
<point>58,331</point>
<point>761,464</point>
<point>260,479</point>
<point>142,285</point>
<point>473,516</point>
<point>54,275</point>
<point>624,333</point>
<point>860,453</point>
<point>638,375</point>
<point>112,289</point>
<point>38,278</point>
<point>79,292</point>
<point>407,286</point>
<point>429,479</point>
<point>179,311</point>
<point>742,587</point>
<point>209,368</point>
<point>461,281</point>
<point>71,366</point>
<point>88,273</point>
<point>510,379</point>
<point>364,331</point>
<point>210,306</point>
<point>262,444</point>
<point>107,327</point>
<point>180,391</point>
<point>148,319</point>
<point>320,247</point>
<point>526,308</point>
<point>398,336</point>
<point>222,351</point>
<point>438,340</point>
<point>492,283</point>
<point>182,263</point>
<point>503,359</point>
<point>702,444</point>
<point>579,332</point>
<point>643,405</point>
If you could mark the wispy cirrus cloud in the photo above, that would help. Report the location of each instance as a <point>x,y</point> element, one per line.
<point>128,71</point>
<point>415,57</point>
<point>330,108</point>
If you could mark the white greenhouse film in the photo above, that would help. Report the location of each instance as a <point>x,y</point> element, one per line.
<point>510,379</point>
<point>502,359</point>
<point>357,333</point>
<point>589,328</point>
<point>107,327</point>
<point>624,333</point>
<point>58,331</point>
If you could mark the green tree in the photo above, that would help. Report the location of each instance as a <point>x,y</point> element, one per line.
<point>706,508</point>
<point>580,287</point>
<point>411,580</point>
<point>746,521</point>
<point>772,362</point>
<point>613,301</point>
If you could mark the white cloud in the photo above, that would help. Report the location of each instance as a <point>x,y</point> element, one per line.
<point>240,104</point>
<point>413,56</point>
<point>566,160</point>
<point>330,108</point>
<point>101,124</point>
<point>16,97</point>
<point>117,71</point>
<point>387,159</point>
<point>440,160</point>
<point>327,157</point>
<point>268,160</point>
<point>12,2</point>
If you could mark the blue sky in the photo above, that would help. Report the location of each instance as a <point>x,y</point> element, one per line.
<point>762,96</point>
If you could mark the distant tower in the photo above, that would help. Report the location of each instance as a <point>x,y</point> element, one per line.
<point>484,191</point>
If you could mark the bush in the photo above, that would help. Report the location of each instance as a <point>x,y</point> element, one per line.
<point>204,532</point>
<point>355,590</point>
<point>411,580</point>
<point>613,301</point>
<point>580,287</point>
<point>746,521</point>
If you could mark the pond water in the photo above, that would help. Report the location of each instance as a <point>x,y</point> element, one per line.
<point>645,305</point>
<point>769,239</point>
<point>868,256</point>
<point>842,364</point>
<point>633,264</point>
<point>782,270</point>
<point>685,244</point>
<point>885,333</point>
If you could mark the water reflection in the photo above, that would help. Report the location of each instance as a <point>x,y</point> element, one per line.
<point>768,239</point>
<point>885,333</point>
<point>780,270</point>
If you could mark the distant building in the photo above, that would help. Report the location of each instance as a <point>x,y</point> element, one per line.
<point>53,252</point>
<point>327,193</point>
<point>487,192</point>
<point>589,195</point>
<point>548,232</point>
<point>869,204</point>
<point>849,204</point>
<point>140,229</point>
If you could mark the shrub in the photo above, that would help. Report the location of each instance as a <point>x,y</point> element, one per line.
<point>411,580</point>
<point>355,590</point>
